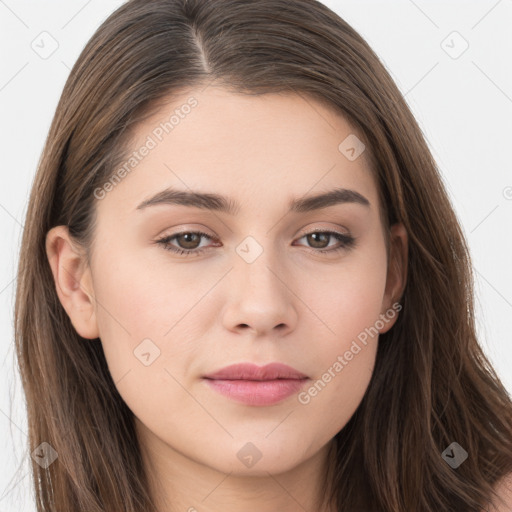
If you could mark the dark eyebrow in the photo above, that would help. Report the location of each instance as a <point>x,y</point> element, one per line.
<point>216,202</point>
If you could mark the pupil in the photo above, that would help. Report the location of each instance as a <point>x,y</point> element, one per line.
<point>188,237</point>
<point>316,236</point>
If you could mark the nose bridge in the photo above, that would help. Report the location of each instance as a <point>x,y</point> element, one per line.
<point>257,266</point>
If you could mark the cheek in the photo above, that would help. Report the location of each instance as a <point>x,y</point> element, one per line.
<point>143,340</point>
<point>134,311</point>
<point>348,297</point>
<point>334,396</point>
<point>148,323</point>
<point>349,307</point>
<point>344,362</point>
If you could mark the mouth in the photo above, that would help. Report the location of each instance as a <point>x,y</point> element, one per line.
<point>250,371</point>
<point>259,386</point>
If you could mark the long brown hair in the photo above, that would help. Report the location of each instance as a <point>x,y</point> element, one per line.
<point>432,384</point>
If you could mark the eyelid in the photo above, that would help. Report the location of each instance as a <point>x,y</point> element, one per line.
<point>323,229</point>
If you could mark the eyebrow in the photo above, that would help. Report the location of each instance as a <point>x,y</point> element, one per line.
<point>216,202</point>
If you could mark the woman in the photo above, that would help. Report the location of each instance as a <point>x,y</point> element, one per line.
<point>183,347</point>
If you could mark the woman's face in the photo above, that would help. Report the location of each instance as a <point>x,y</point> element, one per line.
<point>256,289</point>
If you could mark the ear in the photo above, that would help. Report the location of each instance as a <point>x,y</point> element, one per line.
<point>397,273</point>
<point>73,281</point>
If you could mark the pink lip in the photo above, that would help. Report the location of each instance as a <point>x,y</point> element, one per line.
<point>255,385</point>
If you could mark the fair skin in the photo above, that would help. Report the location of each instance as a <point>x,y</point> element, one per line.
<point>503,503</point>
<point>292,304</point>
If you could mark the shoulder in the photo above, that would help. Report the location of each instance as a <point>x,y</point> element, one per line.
<point>504,490</point>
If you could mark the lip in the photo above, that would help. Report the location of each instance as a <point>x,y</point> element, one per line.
<point>249,371</point>
<point>250,384</point>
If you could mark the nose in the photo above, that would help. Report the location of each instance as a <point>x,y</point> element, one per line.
<point>259,297</point>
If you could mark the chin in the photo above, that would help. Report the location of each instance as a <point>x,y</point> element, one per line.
<point>261,457</point>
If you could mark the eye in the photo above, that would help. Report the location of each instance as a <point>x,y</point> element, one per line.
<point>189,241</point>
<point>319,237</point>
<point>188,238</point>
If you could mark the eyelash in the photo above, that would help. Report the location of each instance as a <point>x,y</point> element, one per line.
<point>347,242</point>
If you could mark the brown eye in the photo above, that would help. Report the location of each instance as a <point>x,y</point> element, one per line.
<point>319,241</point>
<point>188,240</point>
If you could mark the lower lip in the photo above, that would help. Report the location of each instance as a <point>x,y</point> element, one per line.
<point>257,392</point>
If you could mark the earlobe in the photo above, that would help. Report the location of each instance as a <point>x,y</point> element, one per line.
<point>73,281</point>
<point>397,271</point>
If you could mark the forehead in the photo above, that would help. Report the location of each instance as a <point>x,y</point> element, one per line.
<point>270,148</point>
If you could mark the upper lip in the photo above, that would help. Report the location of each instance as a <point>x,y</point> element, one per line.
<point>249,371</point>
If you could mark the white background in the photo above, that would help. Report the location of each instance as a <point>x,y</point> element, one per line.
<point>464,106</point>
